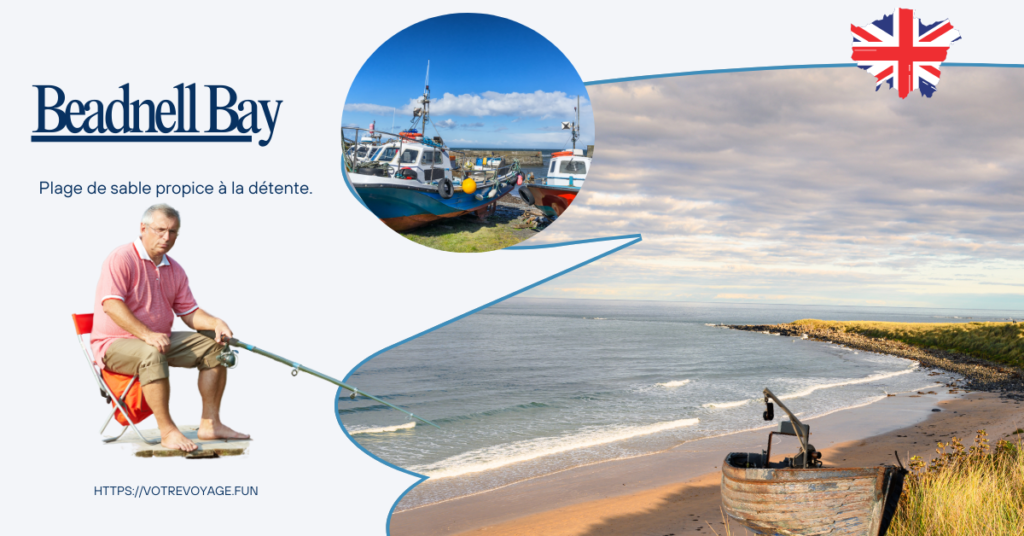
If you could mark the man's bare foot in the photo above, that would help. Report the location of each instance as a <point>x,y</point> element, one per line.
<point>211,430</point>
<point>174,439</point>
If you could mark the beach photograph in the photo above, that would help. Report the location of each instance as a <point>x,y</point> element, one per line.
<point>467,145</point>
<point>820,331</point>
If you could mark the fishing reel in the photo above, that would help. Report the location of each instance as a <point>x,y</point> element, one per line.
<point>228,357</point>
<point>769,414</point>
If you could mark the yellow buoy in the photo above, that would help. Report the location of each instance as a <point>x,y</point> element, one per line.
<point>469,186</point>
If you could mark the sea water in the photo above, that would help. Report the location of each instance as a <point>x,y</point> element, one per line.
<point>538,172</point>
<point>531,387</point>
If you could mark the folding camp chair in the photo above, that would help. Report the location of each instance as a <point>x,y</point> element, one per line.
<point>83,327</point>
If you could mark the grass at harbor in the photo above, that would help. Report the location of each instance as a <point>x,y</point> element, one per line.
<point>999,342</point>
<point>965,490</point>
<point>467,234</point>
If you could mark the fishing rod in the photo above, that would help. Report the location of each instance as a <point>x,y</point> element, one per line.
<point>229,358</point>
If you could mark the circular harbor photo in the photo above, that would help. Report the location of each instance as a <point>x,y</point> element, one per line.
<point>465,144</point>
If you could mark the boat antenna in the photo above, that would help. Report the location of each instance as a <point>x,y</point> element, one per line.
<point>576,127</point>
<point>426,99</point>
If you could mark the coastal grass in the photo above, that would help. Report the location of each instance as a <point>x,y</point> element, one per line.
<point>999,342</point>
<point>466,234</point>
<point>975,490</point>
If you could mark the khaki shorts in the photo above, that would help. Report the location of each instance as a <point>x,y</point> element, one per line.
<point>187,349</point>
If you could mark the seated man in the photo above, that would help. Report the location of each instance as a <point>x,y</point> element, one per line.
<point>140,291</point>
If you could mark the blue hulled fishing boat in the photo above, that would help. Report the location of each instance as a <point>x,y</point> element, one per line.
<point>409,180</point>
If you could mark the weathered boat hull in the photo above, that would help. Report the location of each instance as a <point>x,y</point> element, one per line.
<point>552,200</point>
<point>406,208</point>
<point>847,501</point>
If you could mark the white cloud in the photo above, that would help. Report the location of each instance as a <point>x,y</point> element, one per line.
<point>371,108</point>
<point>807,183</point>
<point>537,104</point>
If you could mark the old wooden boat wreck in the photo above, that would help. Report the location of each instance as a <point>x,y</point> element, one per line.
<point>800,496</point>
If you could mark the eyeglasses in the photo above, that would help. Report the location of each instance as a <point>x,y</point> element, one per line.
<point>161,231</point>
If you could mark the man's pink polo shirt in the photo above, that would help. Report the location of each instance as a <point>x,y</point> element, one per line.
<point>154,294</point>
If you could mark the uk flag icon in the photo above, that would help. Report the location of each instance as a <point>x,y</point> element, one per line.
<point>903,51</point>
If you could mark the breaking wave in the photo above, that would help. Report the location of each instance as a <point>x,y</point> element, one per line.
<point>723,405</point>
<point>384,429</point>
<point>488,458</point>
<point>876,377</point>
<point>673,384</point>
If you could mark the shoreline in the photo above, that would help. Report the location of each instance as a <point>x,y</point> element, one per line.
<point>979,375</point>
<point>675,491</point>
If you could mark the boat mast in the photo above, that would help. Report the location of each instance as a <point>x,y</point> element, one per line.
<point>576,125</point>
<point>426,100</point>
<point>426,114</point>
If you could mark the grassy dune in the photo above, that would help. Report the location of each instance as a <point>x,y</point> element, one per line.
<point>999,342</point>
<point>975,490</point>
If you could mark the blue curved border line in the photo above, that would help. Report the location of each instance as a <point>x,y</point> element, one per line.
<point>334,405</point>
<point>776,68</point>
<point>636,238</point>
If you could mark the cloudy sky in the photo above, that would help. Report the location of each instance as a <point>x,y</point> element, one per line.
<point>513,91</point>
<point>806,186</point>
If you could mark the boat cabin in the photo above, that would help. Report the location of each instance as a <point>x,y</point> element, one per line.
<point>414,161</point>
<point>568,168</point>
<point>364,149</point>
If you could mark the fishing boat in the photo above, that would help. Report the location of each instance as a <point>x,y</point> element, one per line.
<point>566,174</point>
<point>365,146</point>
<point>411,179</point>
<point>800,495</point>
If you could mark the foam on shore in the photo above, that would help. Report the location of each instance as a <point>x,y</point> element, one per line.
<point>383,429</point>
<point>808,390</point>
<point>723,405</point>
<point>489,458</point>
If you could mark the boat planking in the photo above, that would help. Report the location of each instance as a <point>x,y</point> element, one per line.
<point>405,207</point>
<point>799,496</point>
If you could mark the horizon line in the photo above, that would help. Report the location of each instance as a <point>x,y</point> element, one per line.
<point>762,303</point>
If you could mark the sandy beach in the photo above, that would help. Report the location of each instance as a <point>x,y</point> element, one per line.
<point>676,491</point>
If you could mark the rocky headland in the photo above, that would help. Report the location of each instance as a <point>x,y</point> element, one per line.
<point>978,374</point>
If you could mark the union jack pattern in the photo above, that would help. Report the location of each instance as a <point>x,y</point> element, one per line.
<point>903,51</point>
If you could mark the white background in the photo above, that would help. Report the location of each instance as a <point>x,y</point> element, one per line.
<point>316,278</point>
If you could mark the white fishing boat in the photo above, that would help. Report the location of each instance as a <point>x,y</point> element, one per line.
<point>364,148</point>
<point>566,173</point>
